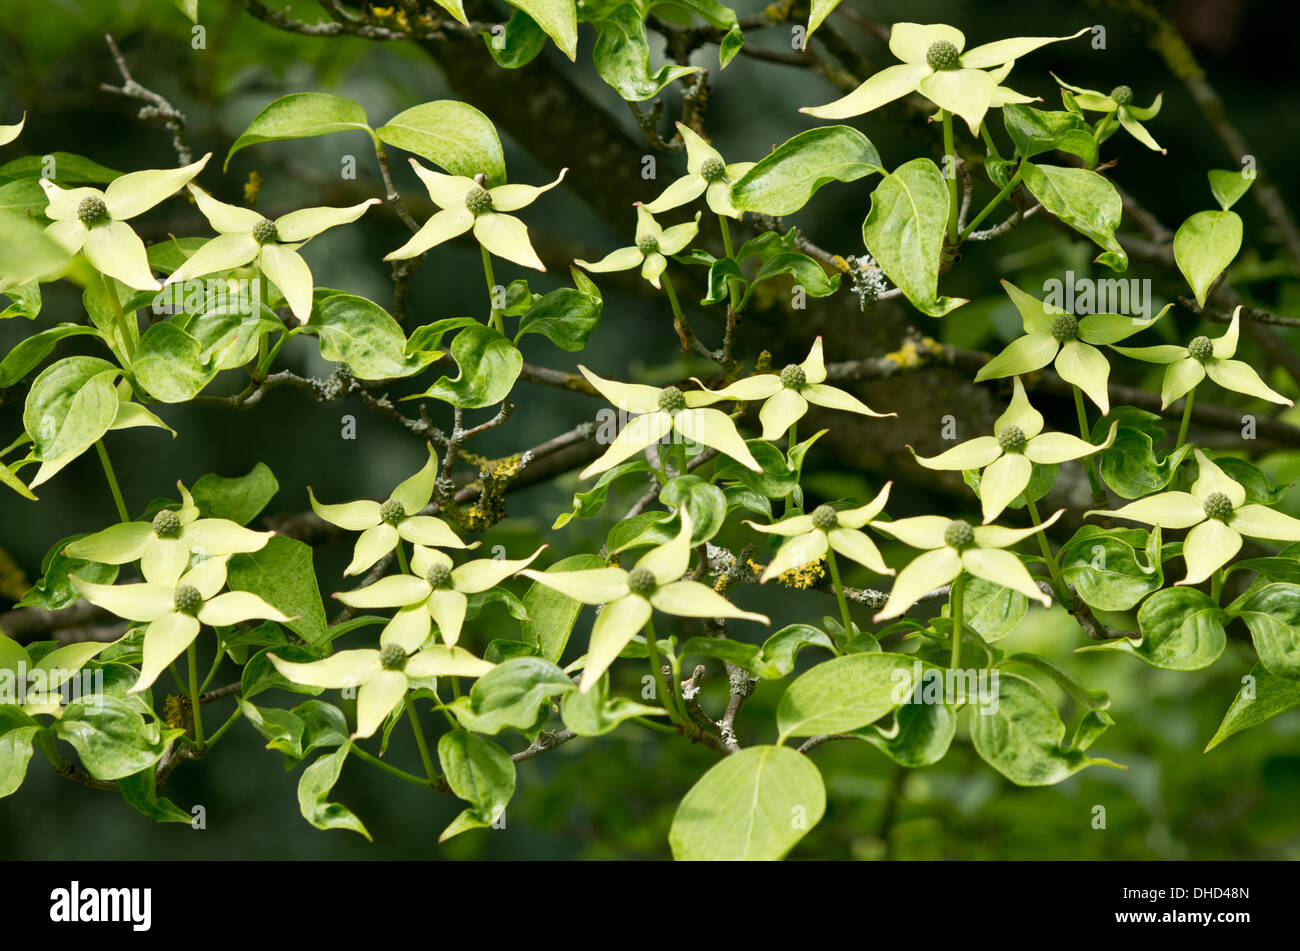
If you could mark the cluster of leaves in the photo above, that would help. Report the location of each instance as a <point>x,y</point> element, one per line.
<point>253,598</point>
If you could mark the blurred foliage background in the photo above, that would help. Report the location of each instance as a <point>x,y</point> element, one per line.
<point>613,797</point>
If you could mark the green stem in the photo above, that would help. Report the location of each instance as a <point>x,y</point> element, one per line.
<point>672,296</point>
<point>111,476</point>
<point>263,294</point>
<point>389,768</point>
<point>1187,418</point>
<point>1103,126</point>
<point>657,727</point>
<point>212,671</point>
<point>221,730</point>
<point>196,709</point>
<point>955,594</point>
<point>401,558</point>
<point>419,740</point>
<point>733,286</point>
<point>656,671</point>
<point>1062,592</point>
<point>950,149</point>
<point>997,200</point>
<point>119,316</point>
<point>793,440</point>
<point>839,593</point>
<point>987,136</point>
<point>264,361</point>
<point>1216,586</point>
<point>494,318</point>
<point>1090,466</point>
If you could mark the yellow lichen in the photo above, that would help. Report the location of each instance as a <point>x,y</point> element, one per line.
<point>174,713</point>
<point>252,188</point>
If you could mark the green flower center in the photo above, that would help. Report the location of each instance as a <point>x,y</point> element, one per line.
<point>1065,327</point>
<point>672,400</point>
<point>1201,348</point>
<point>187,599</point>
<point>439,576</point>
<point>392,511</point>
<point>824,518</point>
<point>647,244</point>
<point>1012,439</point>
<point>264,232</point>
<point>166,524</point>
<point>642,582</point>
<point>392,657</point>
<point>1122,95</point>
<point>1218,505</point>
<point>478,200</point>
<point>959,535</point>
<point>713,170</point>
<point>793,377</point>
<point>92,210</point>
<point>943,55</point>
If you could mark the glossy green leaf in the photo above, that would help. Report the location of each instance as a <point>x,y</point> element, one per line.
<point>518,44</point>
<point>29,352</point>
<point>489,365</point>
<point>71,404</point>
<point>299,116</point>
<point>1105,568</point>
<point>453,135</point>
<point>806,272</point>
<point>566,317</point>
<point>1085,201</point>
<point>239,498</point>
<point>360,333</point>
<point>596,713</point>
<point>282,574</point>
<point>1035,131</point>
<point>141,792</point>
<point>1228,186</point>
<point>1204,246</point>
<point>314,789</point>
<point>1181,628</point>
<point>783,181</point>
<point>110,737</point>
<point>480,772</point>
<point>590,502</point>
<point>992,610</point>
<point>16,733</point>
<point>1262,696</point>
<point>169,364</point>
<point>704,502</point>
<point>1272,612</point>
<point>551,615</point>
<point>66,169</point>
<point>622,56</point>
<point>514,695</point>
<point>844,694</point>
<point>780,476</point>
<point>559,18</point>
<point>920,735</point>
<point>1132,467</point>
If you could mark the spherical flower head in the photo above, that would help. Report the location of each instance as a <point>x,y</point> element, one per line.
<point>1201,348</point>
<point>264,232</point>
<point>478,200</point>
<point>943,55</point>
<point>647,244</point>
<point>824,518</point>
<point>959,535</point>
<point>672,400</point>
<point>1218,505</point>
<point>1122,95</point>
<point>392,657</point>
<point>642,582</point>
<point>92,210</point>
<point>439,576</point>
<point>392,511</point>
<point>713,170</point>
<point>793,377</point>
<point>1012,439</point>
<point>166,524</point>
<point>1065,327</point>
<point>187,599</point>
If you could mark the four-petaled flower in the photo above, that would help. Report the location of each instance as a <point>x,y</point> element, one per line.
<point>436,591</point>
<point>652,243</point>
<point>664,411</point>
<point>1007,457</point>
<point>953,546</point>
<point>1054,336</point>
<point>808,537</point>
<point>1119,103</point>
<point>95,221</point>
<point>629,597</point>
<point>381,677</point>
<point>384,525</point>
<point>934,65</point>
<point>175,603</point>
<point>466,204</point>
<point>244,236</point>
<point>1189,365</point>
<point>1216,512</point>
<point>706,173</point>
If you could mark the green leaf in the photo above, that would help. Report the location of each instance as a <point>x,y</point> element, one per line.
<point>1035,131</point>
<point>283,575</point>
<point>111,738</point>
<point>314,788</point>
<point>26,297</point>
<point>24,197</point>
<point>229,333</point>
<point>1022,740</point>
<point>776,658</point>
<point>783,181</point>
<point>489,365</point>
<point>25,356</point>
<point>1182,629</point>
<point>622,56</point>
<point>452,135</point>
<point>778,479</point>
<point>282,729</point>
<point>1083,200</point>
<point>1204,246</point>
<point>722,271</point>
<point>54,591</point>
<point>843,694</point>
<point>566,317</point>
<point>753,805</point>
<point>16,733</point>
<point>168,364</point>
<point>1227,185</point>
<point>519,44</point>
<point>559,18</point>
<point>140,790</point>
<point>705,503</point>
<point>513,695</point>
<point>360,333</point>
<point>1131,466</point>
<point>806,272</point>
<point>595,713</point>
<point>920,735</point>
<point>1250,477</point>
<point>551,615</point>
<point>1272,612</point>
<point>240,498</point>
<point>71,404</point>
<point>722,648</point>
<point>992,610</point>
<point>589,503</point>
<point>819,10</point>
<point>1262,696</point>
<point>480,772</point>
<point>67,169</point>
<point>260,675</point>
<point>300,116</point>
<point>1105,569</point>
<point>904,233</point>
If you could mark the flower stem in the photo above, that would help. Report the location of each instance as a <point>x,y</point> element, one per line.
<point>494,318</point>
<point>221,730</point>
<point>955,595</point>
<point>419,741</point>
<point>389,768</point>
<point>950,149</point>
<point>1090,466</point>
<point>119,315</point>
<point>732,285</point>
<point>1187,418</point>
<point>793,441</point>
<point>111,476</point>
<point>839,593</point>
<point>263,293</point>
<point>1216,586</point>
<point>656,671</point>
<point>401,558</point>
<point>667,283</point>
<point>997,200</point>
<point>1062,592</point>
<point>196,710</point>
